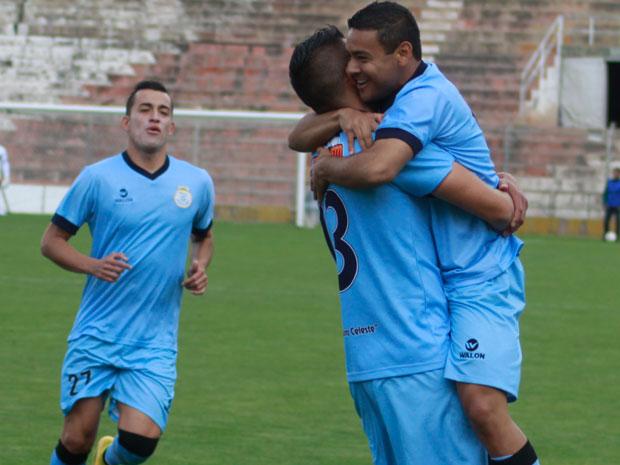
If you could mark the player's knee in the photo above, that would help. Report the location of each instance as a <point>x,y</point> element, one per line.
<point>79,442</point>
<point>140,447</point>
<point>69,455</point>
<point>484,407</point>
<point>479,411</point>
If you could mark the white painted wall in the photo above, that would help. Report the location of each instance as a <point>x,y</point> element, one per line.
<point>584,92</point>
<point>31,198</point>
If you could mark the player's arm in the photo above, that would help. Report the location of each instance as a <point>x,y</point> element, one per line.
<point>385,159</point>
<point>315,130</point>
<point>467,191</point>
<point>377,165</point>
<point>55,246</point>
<point>201,255</point>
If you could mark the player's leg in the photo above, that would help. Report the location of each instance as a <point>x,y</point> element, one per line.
<point>617,215</point>
<point>606,221</point>
<point>487,409</point>
<point>485,359</point>
<point>136,440</point>
<point>78,433</point>
<point>424,421</point>
<point>140,403</point>
<point>4,202</point>
<point>85,381</point>
<point>372,423</point>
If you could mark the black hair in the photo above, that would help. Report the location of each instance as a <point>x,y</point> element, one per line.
<point>319,78</point>
<point>153,85</point>
<point>393,22</point>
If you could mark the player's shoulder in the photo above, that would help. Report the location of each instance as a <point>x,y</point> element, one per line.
<point>430,86</point>
<point>106,163</point>
<point>185,168</point>
<point>103,167</point>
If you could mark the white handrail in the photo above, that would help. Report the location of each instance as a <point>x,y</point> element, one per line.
<point>570,25</point>
<point>218,114</point>
<point>536,65</point>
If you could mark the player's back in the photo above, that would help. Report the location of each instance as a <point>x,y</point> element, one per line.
<point>393,309</point>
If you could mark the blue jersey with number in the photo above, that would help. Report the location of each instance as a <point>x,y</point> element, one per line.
<point>394,314</point>
<point>149,218</point>
<point>430,109</point>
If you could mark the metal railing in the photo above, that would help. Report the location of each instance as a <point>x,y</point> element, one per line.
<point>565,28</point>
<point>593,27</point>
<point>537,65</point>
<point>198,117</point>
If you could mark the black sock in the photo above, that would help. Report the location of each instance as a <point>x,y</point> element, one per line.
<point>525,456</point>
<point>69,457</point>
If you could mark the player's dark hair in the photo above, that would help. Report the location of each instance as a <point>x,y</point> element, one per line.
<point>393,22</point>
<point>153,85</point>
<point>319,78</point>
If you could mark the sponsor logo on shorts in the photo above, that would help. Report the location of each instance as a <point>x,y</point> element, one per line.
<point>360,330</point>
<point>472,347</point>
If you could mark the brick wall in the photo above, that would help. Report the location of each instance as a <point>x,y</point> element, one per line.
<point>233,54</point>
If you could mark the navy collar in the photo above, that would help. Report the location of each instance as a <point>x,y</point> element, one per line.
<point>142,171</point>
<point>387,102</point>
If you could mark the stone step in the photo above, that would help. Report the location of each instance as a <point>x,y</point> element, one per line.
<point>447,4</point>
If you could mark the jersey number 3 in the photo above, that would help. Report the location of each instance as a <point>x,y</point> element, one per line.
<point>347,273</point>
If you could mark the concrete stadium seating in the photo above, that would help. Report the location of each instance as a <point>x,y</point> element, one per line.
<point>233,54</point>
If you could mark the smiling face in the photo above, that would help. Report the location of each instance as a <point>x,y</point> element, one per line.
<point>149,123</point>
<point>377,74</point>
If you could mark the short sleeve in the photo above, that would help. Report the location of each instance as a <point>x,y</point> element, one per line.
<point>423,174</point>
<point>76,208</point>
<point>413,118</point>
<point>204,216</point>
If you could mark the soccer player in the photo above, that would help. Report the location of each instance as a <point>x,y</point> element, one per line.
<point>393,308</point>
<point>611,201</point>
<point>142,207</point>
<point>5,180</point>
<point>483,277</point>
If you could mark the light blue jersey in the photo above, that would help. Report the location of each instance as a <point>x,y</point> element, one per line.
<point>429,108</point>
<point>394,314</point>
<point>149,218</point>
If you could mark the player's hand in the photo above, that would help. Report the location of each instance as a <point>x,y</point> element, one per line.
<point>197,279</point>
<point>318,184</point>
<point>111,267</point>
<point>358,124</point>
<point>508,184</point>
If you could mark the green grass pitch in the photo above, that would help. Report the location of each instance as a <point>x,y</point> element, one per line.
<point>261,376</point>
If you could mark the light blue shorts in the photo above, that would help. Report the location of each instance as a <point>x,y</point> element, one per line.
<point>484,321</point>
<point>416,420</point>
<point>142,378</point>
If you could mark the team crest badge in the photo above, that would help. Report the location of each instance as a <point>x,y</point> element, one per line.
<point>183,197</point>
<point>336,150</point>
